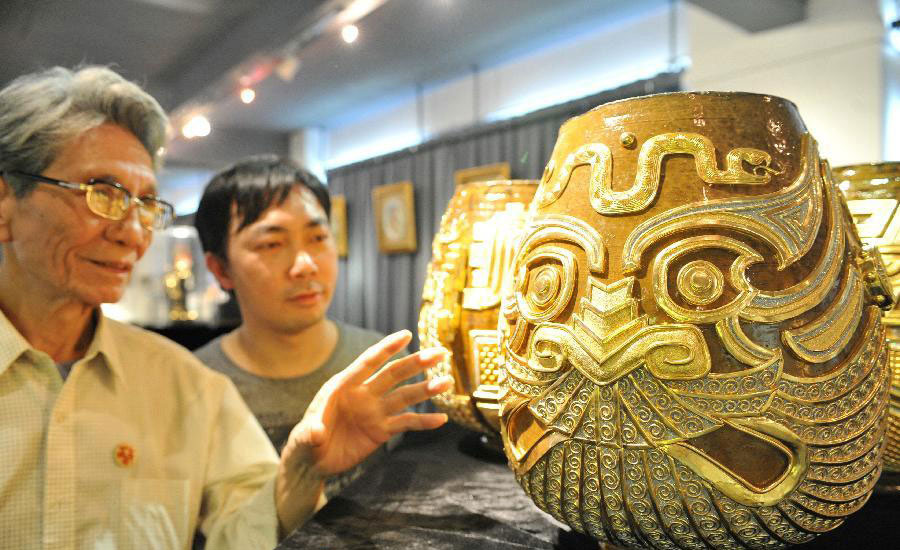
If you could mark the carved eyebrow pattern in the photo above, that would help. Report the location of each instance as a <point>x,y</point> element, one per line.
<point>788,219</point>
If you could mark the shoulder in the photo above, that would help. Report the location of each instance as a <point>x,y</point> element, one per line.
<point>213,356</point>
<point>143,354</point>
<point>210,348</point>
<point>354,340</point>
<point>357,336</point>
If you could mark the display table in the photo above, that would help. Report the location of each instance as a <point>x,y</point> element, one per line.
<point>434,492</point>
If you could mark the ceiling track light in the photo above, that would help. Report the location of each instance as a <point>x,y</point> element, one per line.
<point>894,35</point>
<point>196,126</point>
<point>350,33</point>
<point>328,17</point>
<point>247,95</point>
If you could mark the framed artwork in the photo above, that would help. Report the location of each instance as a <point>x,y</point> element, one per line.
<point>395,217</point>
<point>339,223</point>
<point>488,172</point>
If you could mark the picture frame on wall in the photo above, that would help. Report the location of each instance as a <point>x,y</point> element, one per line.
<point>339,223</point>
<point>487,172</point>
<point>395,217</point>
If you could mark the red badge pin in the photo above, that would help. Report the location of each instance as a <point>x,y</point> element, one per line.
<point>124,455</point>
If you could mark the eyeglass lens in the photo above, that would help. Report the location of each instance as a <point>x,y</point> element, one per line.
<point>107,201</point>
<point>112,202</point>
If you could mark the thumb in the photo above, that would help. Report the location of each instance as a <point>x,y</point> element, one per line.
<point>316,434</point>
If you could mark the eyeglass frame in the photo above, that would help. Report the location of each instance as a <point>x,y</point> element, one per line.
<point>86,187</point>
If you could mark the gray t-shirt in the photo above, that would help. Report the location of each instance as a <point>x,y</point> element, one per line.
<point>279,403</point>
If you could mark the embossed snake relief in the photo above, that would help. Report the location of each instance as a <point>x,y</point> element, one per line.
<point>599,157</point>
<point>626,425</point>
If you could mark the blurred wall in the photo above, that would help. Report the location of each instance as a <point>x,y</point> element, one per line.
<point>836,65</point>
<point>831,65</point>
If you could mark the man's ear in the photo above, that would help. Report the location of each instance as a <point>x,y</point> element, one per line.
<point>219,269</point>
<point>7,206</point>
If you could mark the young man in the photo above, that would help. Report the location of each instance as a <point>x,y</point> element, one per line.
<point>264,227</point>
<point>114,437</point>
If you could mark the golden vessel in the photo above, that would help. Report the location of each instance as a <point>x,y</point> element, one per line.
<point>693,353</point>
<point>872,192</point>
<point>471,253</point>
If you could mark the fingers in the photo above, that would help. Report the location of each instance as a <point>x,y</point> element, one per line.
<point>410,394</point>
<point>372,359</point>
<point>415,422</point>
<point>397,371</point>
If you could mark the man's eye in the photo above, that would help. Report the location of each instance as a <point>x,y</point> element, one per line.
<point>268,245</point>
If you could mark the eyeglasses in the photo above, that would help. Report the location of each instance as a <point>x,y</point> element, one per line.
<point>111,200</point>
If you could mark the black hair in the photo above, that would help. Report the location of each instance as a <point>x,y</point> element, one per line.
<point>246,190</point>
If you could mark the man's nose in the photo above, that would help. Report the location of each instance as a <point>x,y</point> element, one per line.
<point>303,264</point>
<point>128,231</point>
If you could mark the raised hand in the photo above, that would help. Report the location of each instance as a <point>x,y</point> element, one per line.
<point>354,413</point>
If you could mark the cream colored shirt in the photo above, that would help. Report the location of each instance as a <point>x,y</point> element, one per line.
<point>137,448</point>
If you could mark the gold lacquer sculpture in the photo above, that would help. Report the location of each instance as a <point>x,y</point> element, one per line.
<point>694,355</point>
<point>872,192</point>
<point>179,282</point>
<point>471,253</point>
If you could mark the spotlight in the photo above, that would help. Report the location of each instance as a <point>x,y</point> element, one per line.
<point>197,126</point>
<point>248,95</point>
<point>287,67</point>
<point>893,35</point>
<point>349,33</point>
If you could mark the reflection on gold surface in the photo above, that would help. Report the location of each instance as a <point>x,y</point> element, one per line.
<point>693,347</point>
<point>471,254</point>
<point>873,193</point>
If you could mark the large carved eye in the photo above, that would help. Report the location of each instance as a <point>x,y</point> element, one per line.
<point>545,283</point>
<point>700,282</point>
<point>703,279</point>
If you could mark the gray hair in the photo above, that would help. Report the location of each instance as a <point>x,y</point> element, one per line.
<point>41,112</point>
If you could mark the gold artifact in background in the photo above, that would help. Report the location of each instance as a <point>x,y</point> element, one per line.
<point>179,282</point>
<point>693,355</point>
<point>461,298</point>
<point>487,172</point>
<point>872,192</point>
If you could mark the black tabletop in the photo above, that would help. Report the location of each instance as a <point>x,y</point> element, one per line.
<point>442,490</point>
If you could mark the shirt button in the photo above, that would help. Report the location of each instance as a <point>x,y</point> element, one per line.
<point>60,416</point>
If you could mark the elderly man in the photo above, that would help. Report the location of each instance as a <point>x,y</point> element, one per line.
<point>113,437</point>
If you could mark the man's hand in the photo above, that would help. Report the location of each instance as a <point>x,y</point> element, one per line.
<point>354,413</point>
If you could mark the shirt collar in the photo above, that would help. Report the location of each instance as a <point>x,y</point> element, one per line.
<point>105,344</point>
<point>13,344</point>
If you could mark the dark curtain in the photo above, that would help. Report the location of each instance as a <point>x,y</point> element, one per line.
<point>383,292</point>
